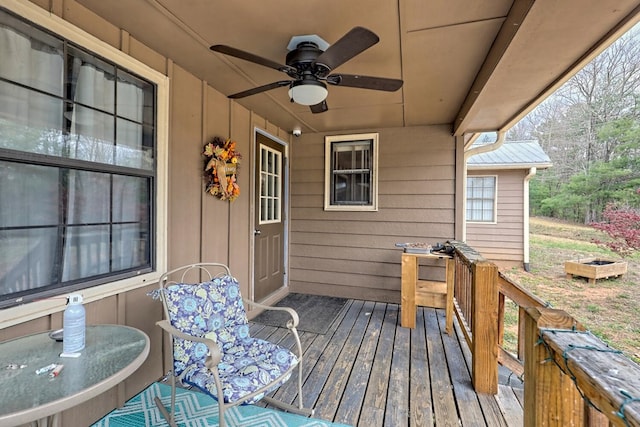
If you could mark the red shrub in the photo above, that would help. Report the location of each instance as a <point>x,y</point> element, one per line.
<point>622,224</point>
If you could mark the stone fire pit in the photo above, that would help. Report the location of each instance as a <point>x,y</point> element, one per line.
<point>595,268</point>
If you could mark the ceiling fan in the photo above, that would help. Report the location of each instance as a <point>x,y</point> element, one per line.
<point>309,64</point>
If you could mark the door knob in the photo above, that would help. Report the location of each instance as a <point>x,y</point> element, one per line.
<point>257,232</point>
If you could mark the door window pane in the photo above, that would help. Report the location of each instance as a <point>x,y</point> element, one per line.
<point>270,185</point>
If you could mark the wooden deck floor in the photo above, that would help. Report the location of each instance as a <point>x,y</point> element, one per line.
<point>369,371</point>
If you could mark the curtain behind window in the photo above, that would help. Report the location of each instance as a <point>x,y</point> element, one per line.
<point>30,119</point>
<point>91,246</point>
<point>68,224</point>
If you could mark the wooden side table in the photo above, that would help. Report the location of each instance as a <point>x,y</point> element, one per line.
<point>425,293</point>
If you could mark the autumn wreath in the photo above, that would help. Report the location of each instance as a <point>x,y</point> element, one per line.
<point>220,169</point>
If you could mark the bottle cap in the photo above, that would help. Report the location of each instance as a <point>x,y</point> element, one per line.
<point>75,299</point>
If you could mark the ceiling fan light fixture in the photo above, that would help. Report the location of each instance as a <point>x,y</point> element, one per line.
<point>308,92</point>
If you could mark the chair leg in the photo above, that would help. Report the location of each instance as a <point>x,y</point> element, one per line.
<point>165,414</point>
<point>300,399</point>
<point>296,409</point>
<point>307,412</point>
<point>169,416</point>
<point>310,411</point>
<point>300,409</point>
<point>221,420</point>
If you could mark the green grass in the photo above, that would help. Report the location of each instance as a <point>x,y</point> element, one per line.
<point>569,245</point>
<point>591,308</point>
<point>610,308</point>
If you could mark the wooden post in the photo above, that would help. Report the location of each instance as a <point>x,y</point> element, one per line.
<point>521,329</point>
<point>450,267</point>
<point>409,278</point>
<point>485,327</point>
<point>594,418</point>
<point>550,398</point>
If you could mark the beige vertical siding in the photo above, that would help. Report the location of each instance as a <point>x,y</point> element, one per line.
<point>502,242</point>
<point>200,227</point>
<point>239,211</point>
<point>214,241</point>
<point>352,254</point>
<point>185,176</point>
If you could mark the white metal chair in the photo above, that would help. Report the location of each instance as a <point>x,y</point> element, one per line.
<point>212,350</point>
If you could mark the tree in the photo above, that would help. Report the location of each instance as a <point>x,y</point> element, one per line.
<point>621,136</point>
<point>590,128</point>
<point>604,91</point>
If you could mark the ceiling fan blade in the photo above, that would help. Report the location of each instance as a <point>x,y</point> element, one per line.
<point>319,108</point>
<point>260,89</point>
<point>237,53</point>
<point>354,42</point>
<point>365,82</point>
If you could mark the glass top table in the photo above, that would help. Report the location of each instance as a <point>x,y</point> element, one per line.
<point>112,353</point>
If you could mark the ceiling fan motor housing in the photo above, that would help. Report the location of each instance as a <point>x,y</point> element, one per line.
<point>303,58</point>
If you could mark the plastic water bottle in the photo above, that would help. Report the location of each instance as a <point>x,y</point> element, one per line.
<point>73,325</point>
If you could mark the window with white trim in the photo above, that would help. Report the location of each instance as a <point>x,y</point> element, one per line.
<point>78,166</point>
<point>351,163</point>
<point>270,185</point>
<point>481,198</point>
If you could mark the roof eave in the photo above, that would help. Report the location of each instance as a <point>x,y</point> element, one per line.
<point>510,166</point>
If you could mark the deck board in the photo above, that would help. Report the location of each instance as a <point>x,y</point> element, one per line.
<point>332,394</point>
<point>369,371</point>
<point>375,398</point>
<point>490,409</point>
<point>397,405</point>
<point>351,405</point>
<point>322,368</point>
<point>510,405</point>
<point>313,346</point>
<point>466,398</point>
<point>420,401</point>
<point>444,405</point>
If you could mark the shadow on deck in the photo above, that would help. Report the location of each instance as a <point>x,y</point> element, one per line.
<point>367,370</point>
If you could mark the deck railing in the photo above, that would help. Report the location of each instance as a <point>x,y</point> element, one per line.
<point>521,299</point>
<point>570,376</point>
<point>475,288</point>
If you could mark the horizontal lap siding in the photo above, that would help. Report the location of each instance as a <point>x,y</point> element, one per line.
<point>503,241</point>
<point>353,254</point>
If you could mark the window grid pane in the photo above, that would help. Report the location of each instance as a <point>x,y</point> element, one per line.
<point>270,185</point>
<point>80,212</point>
<point>481,198</point>
<point>351,173</point>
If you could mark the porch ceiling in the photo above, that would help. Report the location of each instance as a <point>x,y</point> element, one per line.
<point>477,65</point>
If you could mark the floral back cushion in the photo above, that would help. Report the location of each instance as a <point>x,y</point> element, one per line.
<point>212,309</point>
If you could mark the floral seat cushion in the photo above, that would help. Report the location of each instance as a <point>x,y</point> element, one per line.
<point>254,365</point>
<point>215,310</point>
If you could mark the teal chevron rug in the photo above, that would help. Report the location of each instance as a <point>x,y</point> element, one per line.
<point>195,409</point>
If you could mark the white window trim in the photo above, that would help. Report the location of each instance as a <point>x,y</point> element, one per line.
<point>495,201</point>
<point>33,310</point>
<point>328,171</point>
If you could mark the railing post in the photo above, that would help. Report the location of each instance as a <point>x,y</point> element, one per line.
<point>485,327</point>
<point>550,398</point>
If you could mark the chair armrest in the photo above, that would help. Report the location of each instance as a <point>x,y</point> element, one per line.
<point>293,323</point>
<point>214,356</point>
